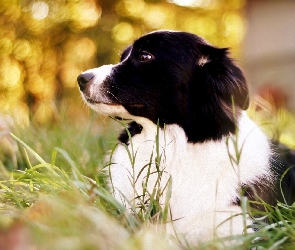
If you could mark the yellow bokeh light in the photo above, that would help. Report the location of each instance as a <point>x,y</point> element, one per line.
<point>13,75</point>
<point>44,112</point>
<point>21,49</point>
<point>192,3</point>
<point>84,49</point>
<point>202,26</point>
<point>123,32</point>
<point>134,7</point>
<point>85,14</point>
<point>67,73</point>
<point>234,27</point>
<point>11,10</point>
<point>155,16</point>
<point>39,10</point>
<point>36,85</point>
<point>238,4</point>
<point>10,72</point>
<point>5,46</point>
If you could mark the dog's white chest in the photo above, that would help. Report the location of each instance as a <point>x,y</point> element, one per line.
<point>204,180</point>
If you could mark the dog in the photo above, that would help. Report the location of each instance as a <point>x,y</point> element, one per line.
<point>186,101</point>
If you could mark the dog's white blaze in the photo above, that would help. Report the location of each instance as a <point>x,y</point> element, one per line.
<point>100,74</point>
<point>204,182</point>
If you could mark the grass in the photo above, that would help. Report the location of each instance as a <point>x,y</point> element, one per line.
<point>53,195</point>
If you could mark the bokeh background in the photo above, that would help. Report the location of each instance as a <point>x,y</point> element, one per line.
<point>46,44</point>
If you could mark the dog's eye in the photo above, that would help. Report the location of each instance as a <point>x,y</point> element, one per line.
<point>144,56</point>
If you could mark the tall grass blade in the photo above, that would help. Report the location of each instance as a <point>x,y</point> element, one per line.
<point>37,157</point>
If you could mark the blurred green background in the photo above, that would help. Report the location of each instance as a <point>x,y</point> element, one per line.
<point>45,45</point>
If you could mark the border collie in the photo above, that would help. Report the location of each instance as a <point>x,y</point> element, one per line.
<point>186,100</point>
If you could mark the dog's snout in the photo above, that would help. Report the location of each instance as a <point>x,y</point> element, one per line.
<point>83,79</point>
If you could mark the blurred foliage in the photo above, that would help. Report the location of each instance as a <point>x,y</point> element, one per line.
<point>277,122</point>
<point>45,44</point>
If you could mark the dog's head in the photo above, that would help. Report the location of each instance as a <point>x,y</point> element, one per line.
<point>171,78</point>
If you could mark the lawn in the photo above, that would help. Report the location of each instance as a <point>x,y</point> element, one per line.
<point>54,195</point>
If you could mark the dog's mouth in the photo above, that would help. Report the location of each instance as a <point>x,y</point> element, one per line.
<point>136,105</point>
<point>130,105</point>
<point>94,101</point>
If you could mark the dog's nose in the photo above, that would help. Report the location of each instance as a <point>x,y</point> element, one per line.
<point>83,79</point>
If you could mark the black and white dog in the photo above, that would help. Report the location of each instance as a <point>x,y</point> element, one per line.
<point>187,102</point>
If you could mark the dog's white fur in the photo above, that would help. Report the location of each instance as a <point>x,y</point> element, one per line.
<point>204,179</point>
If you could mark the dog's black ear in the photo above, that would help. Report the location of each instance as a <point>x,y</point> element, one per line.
<point>217,94</point>
<point>224,76</point>
<point>125,53</point>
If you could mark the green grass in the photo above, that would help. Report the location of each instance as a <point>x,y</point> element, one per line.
<point>53,195</point>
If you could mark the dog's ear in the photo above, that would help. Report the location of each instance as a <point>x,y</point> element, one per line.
<point>224,76</point>
<point>217,94</point>
<point>125,53</point>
